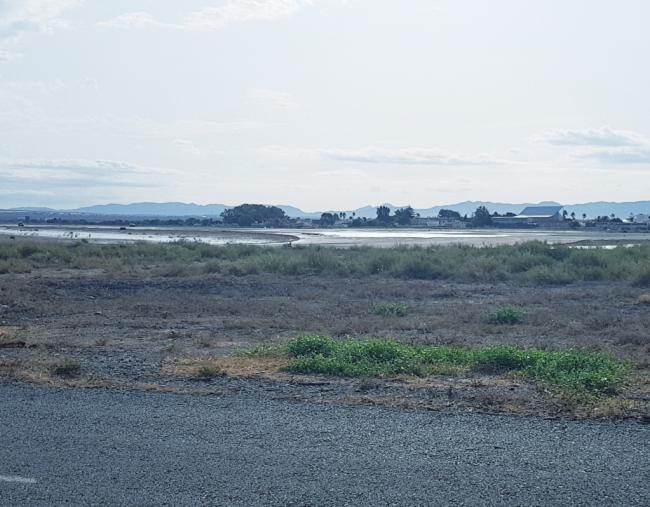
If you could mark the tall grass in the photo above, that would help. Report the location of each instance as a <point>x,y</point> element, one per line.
<point>571,370</point>
<point>533,262</point>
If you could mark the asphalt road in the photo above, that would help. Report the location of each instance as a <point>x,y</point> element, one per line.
<point>93,447</point>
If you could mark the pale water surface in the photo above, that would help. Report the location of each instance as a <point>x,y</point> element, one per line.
<point>329,237</point>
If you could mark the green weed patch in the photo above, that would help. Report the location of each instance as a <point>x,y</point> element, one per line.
<point>571,370</point>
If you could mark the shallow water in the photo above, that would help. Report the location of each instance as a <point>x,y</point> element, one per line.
<point>325,237</point>
<point>107,235</point>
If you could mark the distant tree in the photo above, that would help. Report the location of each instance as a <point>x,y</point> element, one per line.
<point>482,217</point>
<point>448,214</point>
<point>383,214</point>
<point>564,214</point>
<point>584,216</point>
<point>404,216</point>
<point>343,214</point>
<point>249,214</point>
<point>328,219</point>
<point>573,215</point>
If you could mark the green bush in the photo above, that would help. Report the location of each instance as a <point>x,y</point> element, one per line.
<point>391,309</point>
<point>507,315</point>
<point>311,345</point>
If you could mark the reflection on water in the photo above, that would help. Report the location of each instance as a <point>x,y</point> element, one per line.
<point>422,234</point>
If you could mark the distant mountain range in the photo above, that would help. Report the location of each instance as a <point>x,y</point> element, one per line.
<point>180,209</point>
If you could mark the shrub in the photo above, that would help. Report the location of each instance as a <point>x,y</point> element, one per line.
<point>644,299</point>
<point>507,315</point>
<point>500,359</point>
<point>27,250</point>
<point>311,345</point>
<point>549,275</point>
<point>535,262</point>
<point>208,371</point>
<point>417,268</point>
<point>642,280</point>
<point>390,309</point>
<point>66,367</point>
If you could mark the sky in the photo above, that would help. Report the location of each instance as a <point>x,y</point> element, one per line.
<point>323,104</point>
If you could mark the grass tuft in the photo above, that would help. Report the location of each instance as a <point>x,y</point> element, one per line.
<point>66,367</point>
<point>391,309</point>
<point>208,371</point>
<point>644,299</point>
<point>507,315</point>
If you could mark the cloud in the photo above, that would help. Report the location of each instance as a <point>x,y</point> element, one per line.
<point>274,98</point>
<point>8,56</point>
<point>19,114</point>
<point>408,156</point>
<point>620,155</point>
<point>186,147</point>
<point>24,174</point>
<point>603,136</point>
<point>136,20</point>
<point>214,18</point>
<point>20,17</point>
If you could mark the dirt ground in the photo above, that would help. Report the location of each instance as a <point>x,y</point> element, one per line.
<point>151,332</point>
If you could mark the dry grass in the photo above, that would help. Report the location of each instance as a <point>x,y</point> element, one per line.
<point>644,299</point>
<point>52,371</point>
<point>236,367</point>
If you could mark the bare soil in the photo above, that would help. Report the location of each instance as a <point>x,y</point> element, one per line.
<point>142,331</point>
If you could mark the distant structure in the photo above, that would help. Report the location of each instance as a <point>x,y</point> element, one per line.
<point>541,214</point>
<point>533,216</point>
<point>641,218</point>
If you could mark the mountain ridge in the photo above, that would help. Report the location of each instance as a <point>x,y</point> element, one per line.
<point>182,209</point>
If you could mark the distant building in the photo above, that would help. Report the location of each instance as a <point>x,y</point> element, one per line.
<point>541,214</point>
<point>425,222</point>
<point>533,216</point>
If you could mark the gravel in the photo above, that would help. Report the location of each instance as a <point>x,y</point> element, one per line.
<point>108,447</point>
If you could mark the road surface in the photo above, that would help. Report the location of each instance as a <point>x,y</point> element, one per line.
<point>101,447</point>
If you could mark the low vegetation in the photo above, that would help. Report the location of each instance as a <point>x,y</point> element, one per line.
<point>507,315</point>
<point>207,371</point>
<point>532,262</point>
<point>391,309</point>
<point>569,370</point>
<point>66,367</point>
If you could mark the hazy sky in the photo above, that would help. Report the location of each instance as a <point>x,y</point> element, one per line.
<point>323,104</point>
